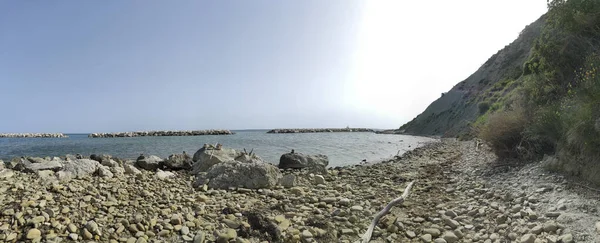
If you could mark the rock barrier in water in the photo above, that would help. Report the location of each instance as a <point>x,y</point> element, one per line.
<point>32,135</point>
<point>160,133</point>
<point>316,130</point>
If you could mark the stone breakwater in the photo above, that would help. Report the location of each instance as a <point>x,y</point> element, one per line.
<point>33,135</point>
<point>160,133</point>
<point>316,130</point>
<point>452,201</point>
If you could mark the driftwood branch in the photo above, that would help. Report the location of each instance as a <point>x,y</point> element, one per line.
<point>367,236</point>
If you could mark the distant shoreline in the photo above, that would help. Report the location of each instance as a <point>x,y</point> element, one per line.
<point>160,133</point>
<point>33,135</point>
<point>318,130</point>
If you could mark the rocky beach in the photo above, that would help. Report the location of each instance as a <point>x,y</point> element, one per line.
<point>222,195</point>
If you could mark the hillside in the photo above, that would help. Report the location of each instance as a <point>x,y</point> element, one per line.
<point>454,112</point>
<point>538,96</point>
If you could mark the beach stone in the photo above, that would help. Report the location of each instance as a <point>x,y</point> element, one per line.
<point>537,229</point>
<point>432,231</point>
<point>450,237</point>
<point>206,157</point>
<point>306,234</point>
<point>319,180</point>
<point>104,171</point>
<point>164,175</point>
<point>598,227</point>
<point>109,163</point>
<point>528,238</point>
<point>452,223</point>
<point>151,162</point>
<point>80,168</point>
<point>439,240</point>
<point>229,234</point>
<point>253,175</point>
<point>567,238</point>
<point>179,162</point>
<point>550,226</point>
<point>426,238</point>
<point>288,180</point>
<point>33,234</point>
<point>6,173</point>
<point>185,230</point>
<point>298,191</point>
<point>45,165</point>
<point>410,234</point>
<point>199,237</point>
<point>74,236</point>
<point>132,170</point>
<point>314,163</point>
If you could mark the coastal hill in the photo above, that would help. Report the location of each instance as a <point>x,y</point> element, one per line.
<point>535,98</point>
<point>454,112</point>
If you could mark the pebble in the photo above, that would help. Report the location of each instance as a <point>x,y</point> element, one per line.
<point>319,180</point>
<point>426,237</point>
<point>306,234</point>
<point>410,234</point>
<point>74,236</point>
<point>33,234</point>
<point>567,238</point>
<point>528,238</point>
<point>185,230</point>
<point>450,237</point>
<point>552,214</point>
<point>433,232</point>
<point>356,208</point>
<point>598,227</point>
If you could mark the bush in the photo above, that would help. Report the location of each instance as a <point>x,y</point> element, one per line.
<point>503,132</point>
<point>484,106</point>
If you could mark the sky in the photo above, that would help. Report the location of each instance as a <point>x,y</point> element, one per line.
<point>110,66</point>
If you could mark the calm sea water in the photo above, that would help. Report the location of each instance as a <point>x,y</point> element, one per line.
<point>341,148</point>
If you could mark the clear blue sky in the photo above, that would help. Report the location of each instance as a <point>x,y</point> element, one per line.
<point>102,66</point>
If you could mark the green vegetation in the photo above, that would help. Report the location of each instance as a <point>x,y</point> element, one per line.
<point>553,107</point>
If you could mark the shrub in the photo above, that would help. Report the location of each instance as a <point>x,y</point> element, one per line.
<point>503,132</point>
<point>484,106</point>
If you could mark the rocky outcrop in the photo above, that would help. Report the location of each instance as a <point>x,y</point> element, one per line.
<point>160,133</point>
<point>314,163</point>
<point>151,162</point>
<point>33,135</point>
<point>316,130</point>
<point>250,175</point>
<point>179,162</point>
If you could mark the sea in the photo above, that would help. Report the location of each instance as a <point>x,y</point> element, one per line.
<point>342,148</point>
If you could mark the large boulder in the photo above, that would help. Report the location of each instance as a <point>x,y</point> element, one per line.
<point>151,162</point>
<point>52,165</point>
<point>206,157</point>
<point>79,168</point>
<point>314,163</point>
<point>251,175</point>
<point>179,162</point>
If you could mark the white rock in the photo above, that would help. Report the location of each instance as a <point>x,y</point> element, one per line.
<point>104,171</point>
<point>319,180</point>
<point>163,175</point>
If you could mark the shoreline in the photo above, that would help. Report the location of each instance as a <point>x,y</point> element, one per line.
<point>317,130</point>
<point>455,198</point>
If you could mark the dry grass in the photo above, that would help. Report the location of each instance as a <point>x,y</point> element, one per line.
<point>503,132</point>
